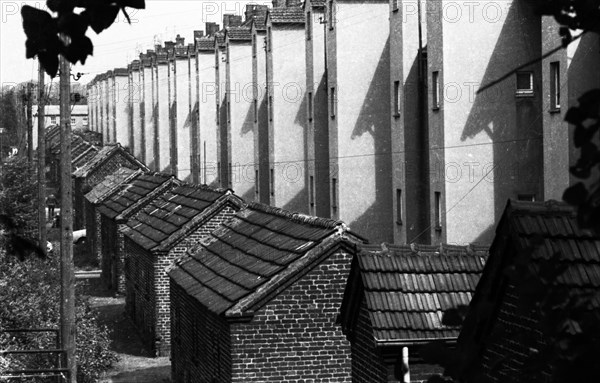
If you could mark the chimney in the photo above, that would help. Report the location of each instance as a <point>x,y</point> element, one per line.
<point>169,46</point>
<point>179,41</point>
<point>292,3</point>
<point>198,34</point>
<point>278,3</point>
<point>254,10</point>
<point>211,28</point>
<point>230,20</point>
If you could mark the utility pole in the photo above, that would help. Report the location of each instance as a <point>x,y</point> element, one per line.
<point>30,124</point>
<point>67,304</point>
<point>41,149</point>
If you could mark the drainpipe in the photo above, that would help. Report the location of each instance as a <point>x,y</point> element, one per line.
<point>406,377</point>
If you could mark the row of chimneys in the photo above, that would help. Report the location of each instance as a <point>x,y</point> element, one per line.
<point>229,20</point>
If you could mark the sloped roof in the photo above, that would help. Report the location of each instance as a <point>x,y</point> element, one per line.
<point>167,218</point>
<point>136,192</point>
<point>88,153</point>
<point>205,44</point>
<point>220,39</point>
<point>238,33</point>
<point>241,264</point>
<point>102,156</point>
<point>110,183</point>
<point>293,15</point>
<point>259,20</point>
<point>407,288</point>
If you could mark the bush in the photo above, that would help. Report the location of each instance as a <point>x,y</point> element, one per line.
<point>29,298</point>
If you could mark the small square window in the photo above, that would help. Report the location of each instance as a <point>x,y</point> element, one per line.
<point>524,83</point>
<point>72,121</point>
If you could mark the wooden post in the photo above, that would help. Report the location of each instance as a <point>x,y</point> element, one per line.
<point>30,125</point>
<point>41,149</point>
<point>67,304</point>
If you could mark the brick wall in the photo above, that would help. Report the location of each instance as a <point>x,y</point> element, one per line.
<point>91,227</point>
<point>294,337</point>
<point>367,361</point>
<point>201,348</point>
<point>108,230</point>
<point>159,299</point>
<point>140,291</point>
<point>508,345</point>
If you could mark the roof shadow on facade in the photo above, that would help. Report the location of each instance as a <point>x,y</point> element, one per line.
<point>514,129</point>
<point>372,107</point>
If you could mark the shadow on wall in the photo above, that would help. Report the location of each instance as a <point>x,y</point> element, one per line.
<point>583,75</point>
<point>374,119</point>
<point>515,129</point>
<point>321,144</point>
<point>263,152</point>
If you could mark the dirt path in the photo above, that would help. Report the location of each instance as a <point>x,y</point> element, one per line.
<point>136,365</point>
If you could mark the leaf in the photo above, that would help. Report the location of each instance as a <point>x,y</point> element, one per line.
<point>62,6</point>
<point>137,4</point>
<point>79,49</point>
<point>101,17</point>
<point>576,194</point>
<point>455,316</point>
<point>72,24</point>
<point>49,62</point>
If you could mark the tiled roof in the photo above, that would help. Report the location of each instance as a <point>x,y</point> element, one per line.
<point>110,183</point>
<point>82,159</point>
<point>408,288</point>
<point>260,21</point>
<point>137,192</point>
<point>220,39</point>
<point>163,222</point>
<point>241,264</point>
<point>205,44</point>
<point>287,15</point>
<point>238,33</point>
<point>102,156</point>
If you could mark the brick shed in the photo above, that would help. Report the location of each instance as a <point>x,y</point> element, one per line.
<point>130,198</point>
<point>95,197</point>
<point>257,301</point>
<point>393,304</point>
<point>81,152</point>
<point>105,162</point>
<point>166,228</point>
<point>505,336</point>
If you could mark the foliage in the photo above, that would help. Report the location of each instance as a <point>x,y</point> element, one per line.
<point>8,119</point>
<point>18,193</point>
<point>43,30</point>
<point>29,298</point>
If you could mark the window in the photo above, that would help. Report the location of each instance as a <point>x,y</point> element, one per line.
<point>435,95</point>
<point>270,108</point>
<point>255,110</point>
<point>332,103</point>
<point>438,211</point>
<point>269,38</point>
<point>394,5</point>
<point>554,86</point>
<point>334,197</point>
<point>524,83</point>
<point>272,182</point>
<point>73,121</point>
<point>399,206</point>
<point>253,45</point>
<point>331,14</point>
<point>396,98</point>
<point>256,183</point>
<point>53,120</point>
<point>310,106</point>
<point>530,197</point>
<point>311,191</point>
<point>308,25</point>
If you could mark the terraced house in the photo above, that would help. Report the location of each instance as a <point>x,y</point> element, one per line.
<point>105,162</point>
<point>94,198</point>
<point>116,210</point>
<point>257,300</point>
<point>165,228</point>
